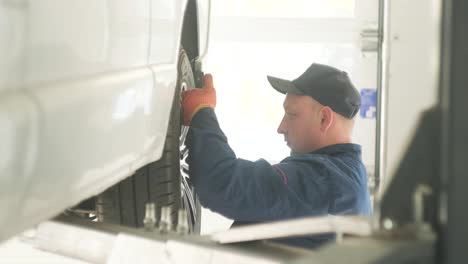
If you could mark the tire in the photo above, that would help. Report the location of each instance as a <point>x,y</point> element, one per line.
<point>164,182</point>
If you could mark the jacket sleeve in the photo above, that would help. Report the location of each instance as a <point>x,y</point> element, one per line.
<point>240,189</point>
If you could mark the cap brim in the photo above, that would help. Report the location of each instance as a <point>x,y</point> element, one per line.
<point>283,86</point>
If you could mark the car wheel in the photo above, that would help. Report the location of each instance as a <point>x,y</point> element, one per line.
<point>164,182</point>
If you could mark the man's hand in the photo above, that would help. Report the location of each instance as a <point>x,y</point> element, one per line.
<point>195,99</point>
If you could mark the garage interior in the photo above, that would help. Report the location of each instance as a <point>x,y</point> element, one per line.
<point>408,61</point>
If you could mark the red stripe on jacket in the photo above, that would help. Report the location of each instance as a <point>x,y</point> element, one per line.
<point>285,179</point>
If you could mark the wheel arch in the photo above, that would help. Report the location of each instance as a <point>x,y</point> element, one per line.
<point>190,36</point>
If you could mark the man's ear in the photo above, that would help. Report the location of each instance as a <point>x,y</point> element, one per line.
<point>326,118</point>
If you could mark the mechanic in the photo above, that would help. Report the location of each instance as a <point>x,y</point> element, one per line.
<point>324,175</point>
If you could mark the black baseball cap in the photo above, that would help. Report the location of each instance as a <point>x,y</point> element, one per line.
<point>327,85</point>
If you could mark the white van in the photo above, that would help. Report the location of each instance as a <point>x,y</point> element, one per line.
<point>90,108</point>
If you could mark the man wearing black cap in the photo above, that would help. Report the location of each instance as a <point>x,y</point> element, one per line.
<point>324,174</point>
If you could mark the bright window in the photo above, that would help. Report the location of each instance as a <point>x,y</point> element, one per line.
<point>281,8</point>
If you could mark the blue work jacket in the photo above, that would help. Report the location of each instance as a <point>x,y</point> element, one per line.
<point>331,180</point>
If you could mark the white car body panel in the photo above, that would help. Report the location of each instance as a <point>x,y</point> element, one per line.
<point>86,90</point>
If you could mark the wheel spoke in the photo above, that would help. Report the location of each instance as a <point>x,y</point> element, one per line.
<point>189,204</point>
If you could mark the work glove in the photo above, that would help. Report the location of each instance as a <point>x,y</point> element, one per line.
<point>195,99</point>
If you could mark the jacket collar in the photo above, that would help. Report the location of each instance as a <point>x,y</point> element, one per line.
<point>338,148</point>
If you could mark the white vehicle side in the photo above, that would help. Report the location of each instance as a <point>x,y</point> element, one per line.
<point>86,89</point>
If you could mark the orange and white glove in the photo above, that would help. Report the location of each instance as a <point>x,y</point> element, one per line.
<point>195,99</point>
